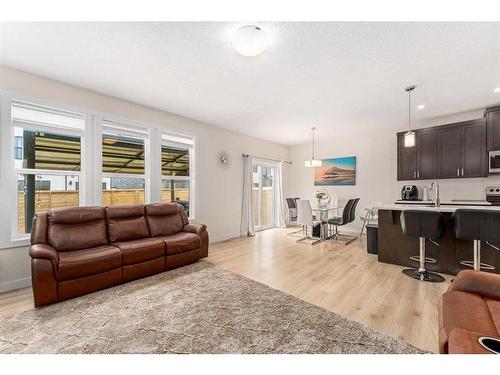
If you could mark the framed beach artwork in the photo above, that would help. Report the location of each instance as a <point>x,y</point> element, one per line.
<point>336,172</point>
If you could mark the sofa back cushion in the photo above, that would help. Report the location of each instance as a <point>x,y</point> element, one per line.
<point>126,223</point>
<point>76,228</point>
<point>164,219</point>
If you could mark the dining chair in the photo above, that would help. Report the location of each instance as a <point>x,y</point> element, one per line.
<point>305,218</point>
<point>292,213</point>
<point>348,216</point>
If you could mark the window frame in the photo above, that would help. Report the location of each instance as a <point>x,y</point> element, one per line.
<point>15,236</point>
<point>126,128</point>
<point>90,174</point>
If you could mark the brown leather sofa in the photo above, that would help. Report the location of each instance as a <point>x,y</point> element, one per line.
<point>468,310</point>
<point>75,251</point>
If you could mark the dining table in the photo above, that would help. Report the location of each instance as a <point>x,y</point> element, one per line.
<point>323,214</point>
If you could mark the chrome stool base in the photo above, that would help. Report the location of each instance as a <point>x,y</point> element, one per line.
<point>423,275</point>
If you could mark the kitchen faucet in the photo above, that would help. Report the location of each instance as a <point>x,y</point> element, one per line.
<point>435,188</point>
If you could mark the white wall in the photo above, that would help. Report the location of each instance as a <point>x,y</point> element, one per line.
<point>219,191</point>
<point>376,178</point>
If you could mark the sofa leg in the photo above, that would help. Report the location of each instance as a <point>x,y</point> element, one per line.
<point>43,281</point>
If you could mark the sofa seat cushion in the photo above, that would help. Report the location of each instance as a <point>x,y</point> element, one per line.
<point>86,262</point>
<point>462,341</point>
<point>181,242</point>
<point>138,251</point>
<point>467,311</point>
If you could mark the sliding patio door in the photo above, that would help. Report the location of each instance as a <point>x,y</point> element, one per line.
<point>263,195</point>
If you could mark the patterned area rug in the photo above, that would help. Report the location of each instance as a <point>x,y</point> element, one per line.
<point>199,308</point>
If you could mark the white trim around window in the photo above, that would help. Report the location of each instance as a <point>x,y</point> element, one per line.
<point>91,171</point>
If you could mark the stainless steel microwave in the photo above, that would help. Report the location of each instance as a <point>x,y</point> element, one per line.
<point>494,162</point>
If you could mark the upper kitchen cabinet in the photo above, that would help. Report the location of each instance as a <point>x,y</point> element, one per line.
<point>407,160</point>
<point>462,150</point>
<point>493,120</point>
<point>448,151</point>
<point>449,145</point>
<point>427,149</point>
<point>474,158</point>
<point>419,162</point>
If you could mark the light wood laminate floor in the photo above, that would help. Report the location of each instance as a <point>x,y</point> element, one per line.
<point>343,279</point>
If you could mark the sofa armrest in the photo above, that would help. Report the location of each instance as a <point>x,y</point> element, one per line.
<point>44,251</point>
<point>482,283</point>
<point>195,228</point>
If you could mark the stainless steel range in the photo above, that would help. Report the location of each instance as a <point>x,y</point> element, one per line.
<point>493,195</point>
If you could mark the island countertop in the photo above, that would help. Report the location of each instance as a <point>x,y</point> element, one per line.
<point>442,208</point>
<point>396,248</point>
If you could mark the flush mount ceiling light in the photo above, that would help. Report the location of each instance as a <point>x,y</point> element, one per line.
<point>497,89</point>
<point>313,162</point>
<point>421,106</point>
<point>250,41</point>
<point>409,139</point>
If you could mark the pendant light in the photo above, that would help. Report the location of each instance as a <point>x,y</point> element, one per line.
<point>409,139</point>
<point>313,162</point>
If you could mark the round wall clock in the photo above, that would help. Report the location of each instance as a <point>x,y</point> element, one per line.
<point>223,159</point>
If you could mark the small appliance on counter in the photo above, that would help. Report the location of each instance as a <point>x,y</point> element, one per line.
<point>493,195</point>
<point>409,193</point>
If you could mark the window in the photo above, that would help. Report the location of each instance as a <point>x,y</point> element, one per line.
<point>47,160</point>
<point>123,164</point>
<point>263,195</point>
<point>54,156</point>
<point>177,155</point>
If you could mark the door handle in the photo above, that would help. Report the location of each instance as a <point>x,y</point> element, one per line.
<point>462,172</point>
<point>418,174</point>
<point>458,171</point>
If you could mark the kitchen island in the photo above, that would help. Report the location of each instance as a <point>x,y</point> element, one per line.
<point>396,248</point>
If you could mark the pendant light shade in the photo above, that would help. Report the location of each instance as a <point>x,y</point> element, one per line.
<point>313,162</point>
<point>409,139</point>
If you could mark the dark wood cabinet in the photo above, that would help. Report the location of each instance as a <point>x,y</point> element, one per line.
<point>448,151</point>
<point>449,139</point>
<point>427,149</point>
<point>493,121</point>
<point>474,158</point>
<point>407,160</point>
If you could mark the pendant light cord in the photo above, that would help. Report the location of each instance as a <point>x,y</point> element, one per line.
<point>313,129</point>
<point>409,110</point>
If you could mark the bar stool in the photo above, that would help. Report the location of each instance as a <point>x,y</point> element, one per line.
<point>424,225</point>
<point>477,225</point>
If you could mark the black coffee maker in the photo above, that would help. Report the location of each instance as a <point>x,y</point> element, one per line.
<point>409,193</point>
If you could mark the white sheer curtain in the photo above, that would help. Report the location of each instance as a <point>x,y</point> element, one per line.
<point>278,189</point>
<point>247,228</point>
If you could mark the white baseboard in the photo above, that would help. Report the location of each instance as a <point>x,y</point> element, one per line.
<point>15,284</point>
<point>224,237</point>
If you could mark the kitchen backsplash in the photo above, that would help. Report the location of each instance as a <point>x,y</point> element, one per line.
<point>463,189</point>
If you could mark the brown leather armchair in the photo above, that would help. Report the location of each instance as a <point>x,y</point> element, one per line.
<point>468,310</point>
<point>80,250</point>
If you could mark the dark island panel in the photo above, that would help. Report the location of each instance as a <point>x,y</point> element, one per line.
<point>396,248</point>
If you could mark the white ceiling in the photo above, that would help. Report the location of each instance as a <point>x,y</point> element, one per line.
<point>341,77</point>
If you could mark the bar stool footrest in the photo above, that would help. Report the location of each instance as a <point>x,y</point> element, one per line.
<point>483,266</point>
<point>416,258</point>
